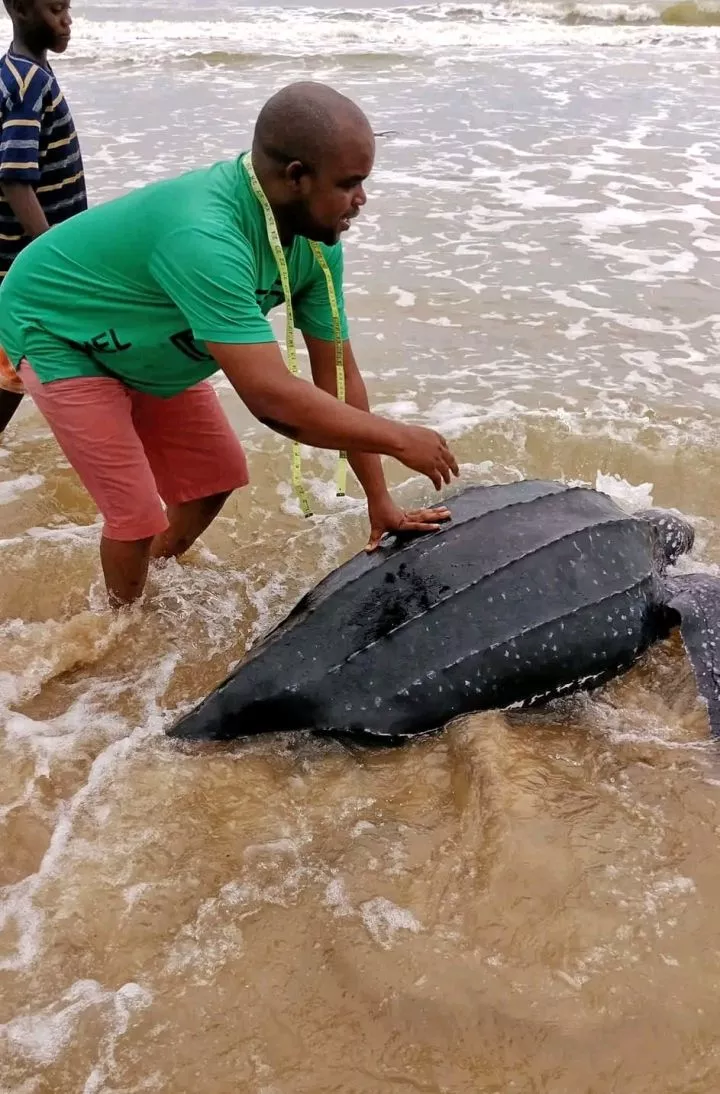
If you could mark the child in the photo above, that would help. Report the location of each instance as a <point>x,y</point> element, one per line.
<point>42,181</point>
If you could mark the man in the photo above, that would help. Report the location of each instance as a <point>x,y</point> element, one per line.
<point>42,181</point>
<point>117,318</point>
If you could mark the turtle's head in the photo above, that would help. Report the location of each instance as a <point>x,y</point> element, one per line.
<point>674,536</point>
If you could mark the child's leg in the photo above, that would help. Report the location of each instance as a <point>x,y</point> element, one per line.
<point>196,458</point>
<point>9,402</point>
<point>11,390</point>
<point>91,418</point>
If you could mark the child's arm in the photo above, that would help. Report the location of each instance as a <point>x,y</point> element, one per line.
<point>21,122</point>
<point>20,173</point>
<point>22,199</point>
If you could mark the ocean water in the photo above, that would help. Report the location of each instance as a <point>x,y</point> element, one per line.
<point>526,903</point>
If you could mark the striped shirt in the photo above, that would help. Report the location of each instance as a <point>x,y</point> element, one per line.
<point>38,146</point>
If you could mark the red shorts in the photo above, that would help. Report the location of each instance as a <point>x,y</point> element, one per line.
<point>131,449</point>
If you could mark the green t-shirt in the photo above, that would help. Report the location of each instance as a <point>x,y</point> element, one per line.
<point>138,285</point>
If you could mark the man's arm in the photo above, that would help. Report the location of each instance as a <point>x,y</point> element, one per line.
<point>385,515</point>
<point>366,465</point>
<point>311,416</point>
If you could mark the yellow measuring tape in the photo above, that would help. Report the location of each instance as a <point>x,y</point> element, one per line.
<point>276,247</point>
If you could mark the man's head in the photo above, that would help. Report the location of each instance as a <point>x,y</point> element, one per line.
<point>40,24</point>
<point>313,150</point>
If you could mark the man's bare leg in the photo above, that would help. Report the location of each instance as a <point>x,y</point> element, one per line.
<point>187,521</point>
<point>125,562</point>
<point>125,566</point>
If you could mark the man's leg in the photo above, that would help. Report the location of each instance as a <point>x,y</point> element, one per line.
<point>188,520</point>
<point>91,418</point>
<point>125,567</point>
<point>196,458</point>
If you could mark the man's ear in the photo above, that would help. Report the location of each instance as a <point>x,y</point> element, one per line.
<point>295,172</point>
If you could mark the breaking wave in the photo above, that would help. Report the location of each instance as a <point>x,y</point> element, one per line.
<point>243,35</point>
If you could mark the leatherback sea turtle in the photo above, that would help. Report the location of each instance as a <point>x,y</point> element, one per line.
<point>534,590</point>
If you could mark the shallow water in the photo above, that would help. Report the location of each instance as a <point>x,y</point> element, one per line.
<point>526,903</point>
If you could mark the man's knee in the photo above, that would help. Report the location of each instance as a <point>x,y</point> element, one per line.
<point>218,499</point>
<point>208,505</point>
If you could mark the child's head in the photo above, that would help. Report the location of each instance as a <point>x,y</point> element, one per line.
<point>41,24</point>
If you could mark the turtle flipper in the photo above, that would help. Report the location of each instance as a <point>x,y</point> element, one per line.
<point>674,535</point>
<point>695,598</point>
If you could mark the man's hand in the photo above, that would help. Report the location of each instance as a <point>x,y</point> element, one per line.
<point>386,516</point>
<point>426,451</point>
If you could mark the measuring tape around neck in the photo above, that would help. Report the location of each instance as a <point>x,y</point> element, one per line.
<point>292,363</point>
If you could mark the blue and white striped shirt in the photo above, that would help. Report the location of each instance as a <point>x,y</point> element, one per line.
<point>39,147</point>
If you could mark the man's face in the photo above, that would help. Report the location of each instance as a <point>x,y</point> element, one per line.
<point>332,194</point>
<point>45,23</point>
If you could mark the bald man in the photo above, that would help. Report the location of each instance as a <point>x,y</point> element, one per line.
<point>117,318</point>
